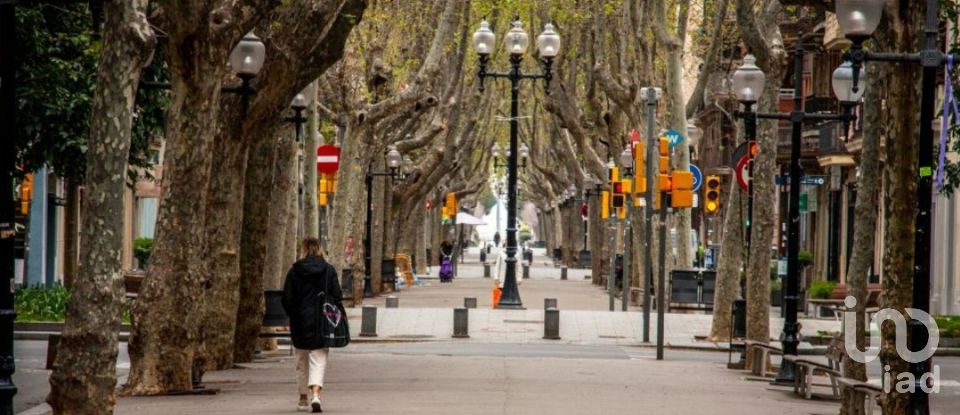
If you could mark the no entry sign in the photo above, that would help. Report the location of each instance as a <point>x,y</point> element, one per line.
<point>743,173</point>
<point>328,159</point>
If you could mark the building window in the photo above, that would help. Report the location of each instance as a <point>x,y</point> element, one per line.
<point>146,217</point>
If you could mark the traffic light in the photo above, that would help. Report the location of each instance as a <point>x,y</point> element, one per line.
<point>682,189</point>
<point>323,199</point>
<point>605,205</point>
<point>451,204</point>
<point>640,167</point>
<point>711,204</point>
<point>26,193</point>
<point>664,156</point>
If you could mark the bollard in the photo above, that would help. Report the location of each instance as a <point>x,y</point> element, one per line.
<point>470,302</point>
<point>563,273</point>
<point>486,270</point>
<point>551,324</point>
<point>368,323</point>
<point>460,323</point>
<point>393,302</point>
<point>526,272</point>
<point>549,303</point>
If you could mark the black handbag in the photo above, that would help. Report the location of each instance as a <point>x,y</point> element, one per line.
<point>333,319</point>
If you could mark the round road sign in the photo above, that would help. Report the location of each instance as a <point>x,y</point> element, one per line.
<point>328,159</point>
<point>743,173</point>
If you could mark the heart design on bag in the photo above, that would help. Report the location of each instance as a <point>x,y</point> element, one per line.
<point>333,314</point>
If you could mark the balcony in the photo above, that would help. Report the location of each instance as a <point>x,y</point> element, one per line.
<point>809,143</point>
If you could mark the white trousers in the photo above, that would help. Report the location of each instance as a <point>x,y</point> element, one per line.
<point>311,366</point>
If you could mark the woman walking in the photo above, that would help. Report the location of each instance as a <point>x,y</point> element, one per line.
<point>312,300</point>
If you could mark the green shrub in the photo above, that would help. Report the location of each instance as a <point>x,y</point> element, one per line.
<point>142,248</point>
<point>821,289</point>
<point>775,284</point>
<point>41,303</point>
<point>949,326</point>
<point>804,259</point>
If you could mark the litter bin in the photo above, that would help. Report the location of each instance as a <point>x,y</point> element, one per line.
<point>483,256</point>
<point>619,271</point>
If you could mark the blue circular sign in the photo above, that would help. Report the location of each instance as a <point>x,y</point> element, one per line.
<point>697,177</point>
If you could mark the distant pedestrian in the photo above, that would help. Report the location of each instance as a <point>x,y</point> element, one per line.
<point>496,238</point>
<point>446,262</point>
<point>318,321</point>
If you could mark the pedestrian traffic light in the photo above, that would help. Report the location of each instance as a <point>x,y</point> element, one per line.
<point>682,189</point>
<point>711,205</point>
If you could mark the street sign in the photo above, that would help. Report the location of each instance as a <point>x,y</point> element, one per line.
<point>697,177</point>
<point>803,202</point>
<point>674,137</point>
<point>743,173</point>
<point>807,180</point>
<point>328,159</point>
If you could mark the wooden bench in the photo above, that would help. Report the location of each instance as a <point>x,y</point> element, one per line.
<point>806,370</point>
<point>758,365</point>
<point>870,392</point>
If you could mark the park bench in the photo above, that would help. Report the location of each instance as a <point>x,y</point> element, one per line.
<point>806,370</point>
<point>871,392</point>
<point>692,290</point>
<point>837,306</point>
<point>763,351</point>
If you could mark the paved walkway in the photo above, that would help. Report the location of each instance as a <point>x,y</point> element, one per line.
<point>359,382</point>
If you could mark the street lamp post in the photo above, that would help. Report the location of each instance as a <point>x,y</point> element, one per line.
<point>626,162</point>
<point>8,107</point>
<point>393,160</point>
<point>748,84</point>
<point>548,44</point>
<point>858,19</point>
<point>300,102</point>
<point>650,96</point>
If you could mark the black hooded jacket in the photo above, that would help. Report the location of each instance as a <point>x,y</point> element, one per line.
<point>306,281</point>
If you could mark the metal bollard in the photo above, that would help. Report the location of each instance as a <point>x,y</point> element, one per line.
<point>526,272</point>
<point>563,273</point>
<point>393,302</point>
<point>551,324</point>
<point>460,323</point>
<point>368,323</point>
<point>549,303</point>
<point>486,270</point>
<point>470,302</point>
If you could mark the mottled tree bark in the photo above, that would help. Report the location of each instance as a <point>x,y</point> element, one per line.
<point>71,236</point>
<point>729,264</point>
<point>253,248</point>
<point>84,376</point>
<point>758,24</point>
<point>282,192</point>
<point>900,193</point>
<point>312,139</point>
<point>865,227</point>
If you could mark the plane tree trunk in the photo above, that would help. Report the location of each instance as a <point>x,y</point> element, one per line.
<point>84,376</point>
